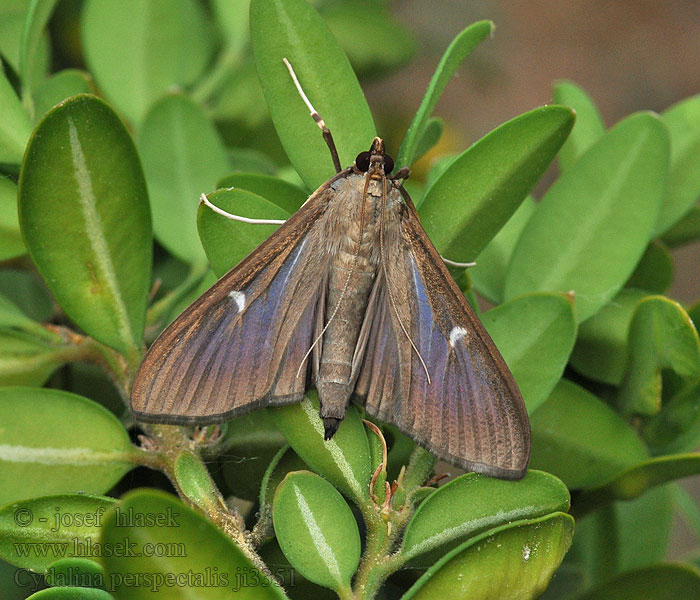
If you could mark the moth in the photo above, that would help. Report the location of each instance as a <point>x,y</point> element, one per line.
<point>350,296</point>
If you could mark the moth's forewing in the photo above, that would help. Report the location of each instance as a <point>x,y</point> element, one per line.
<point>241,344</point>
<point>471,412</point>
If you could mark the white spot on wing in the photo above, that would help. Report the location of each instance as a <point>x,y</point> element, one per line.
<point>457,334</point>
<point>238,298</point>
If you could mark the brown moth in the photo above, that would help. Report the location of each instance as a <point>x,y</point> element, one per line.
<point>350,296</point>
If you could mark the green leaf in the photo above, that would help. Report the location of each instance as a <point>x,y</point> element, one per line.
<point>455,54</point>
<point>581,440</point>
<point>228,242</point>
<point>37,532</point>
<point>26,289</point>
<point>601,350</point>
<point>661,336</point>
<point>71,593</point>
<point>38,15</point>
<point>686,230</point>
<point>676,427</point>
<point>282,193</point>
<point>535,334</point>
<point>593,225</point>
<point>285,461</point>
<point>183,554</point>
<point>82,161</point>
<point>11,242</point>
<point>635,481</point>
<point>683,187</point>
<point>658,582</point>
<point>15,126</point>
<point>654,273</point>
<point>316,530</point>
<point>30,360</point>
<point>55,442</point>
<point>79,572</point>
<point>589,126</point>
<point>194,482</point>
<point>489,275</point>
<point>140,50</point>
<point>374,42</point>
<point>60,86</point>
<point>479,191</point>
<point>431,135</point>
<point>344,460</point>
<point>233,20</point>
<point>183,157</point>
<point>293,29</point>
<point>471,504</point>
<point>511,561</point>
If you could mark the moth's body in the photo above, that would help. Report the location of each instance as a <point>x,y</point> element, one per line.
<point>354,255</point>
<point>349,296</point>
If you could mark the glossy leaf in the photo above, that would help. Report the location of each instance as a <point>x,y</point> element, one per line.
<point>98,261</point>
<point>35,533</point>
<point>11,243</point>
<point>512,561</point>
<point>480,190</point>
<point>26,289</point>
<point>676,427</point>
<point>374,42</point>
<point>15,127</point>
<point>183,157</point>
<point>55,442</point>
<point>535,335</point>
<point>601,351</point>
<point>228,242</point>
<point>581,440</point>
<point>71,593</point>
<point>471,504</point>
<point>657,582</point>
<point>489,275</point>
<point>233,20</point>
<point>287,196</point>
<point>635,481</point>
<point>194,482</point>
<point>285,461</point>
<point>686,230</point>
<point>589,126</point>
<point>316,530</point>
<point>27,359</point>
<point>593,225</point>
<point>344,460</point>
<point>182,542</point>
<point>455,54</point>
<point>132,65</point>
<point>79,572</point>
<point>654,273</point>
<point>683,187</point>
<point>661,336</point>
<point>38,15</point>
<point>293,29</point>
<point>60,86</point>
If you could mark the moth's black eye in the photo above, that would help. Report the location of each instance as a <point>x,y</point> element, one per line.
<point>388,164</point>
<point>362,161</point>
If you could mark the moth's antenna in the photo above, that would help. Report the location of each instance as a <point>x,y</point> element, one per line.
<point>316,117</point>
<point>219,211</point>
<point>459,265</point>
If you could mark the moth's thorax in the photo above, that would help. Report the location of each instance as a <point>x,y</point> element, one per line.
<point>355,221</point>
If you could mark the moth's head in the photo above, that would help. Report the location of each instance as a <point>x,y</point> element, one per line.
<point>376,159</point>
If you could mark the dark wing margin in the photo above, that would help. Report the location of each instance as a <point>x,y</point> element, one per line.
<point>471,412</point>
<point>243,343</point>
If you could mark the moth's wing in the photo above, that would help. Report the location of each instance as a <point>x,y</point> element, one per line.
<point>471,412</point>
<point>243,343</point>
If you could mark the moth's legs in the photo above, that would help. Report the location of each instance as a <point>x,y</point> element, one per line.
<point>316,117</point>
<point>204,200</point>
